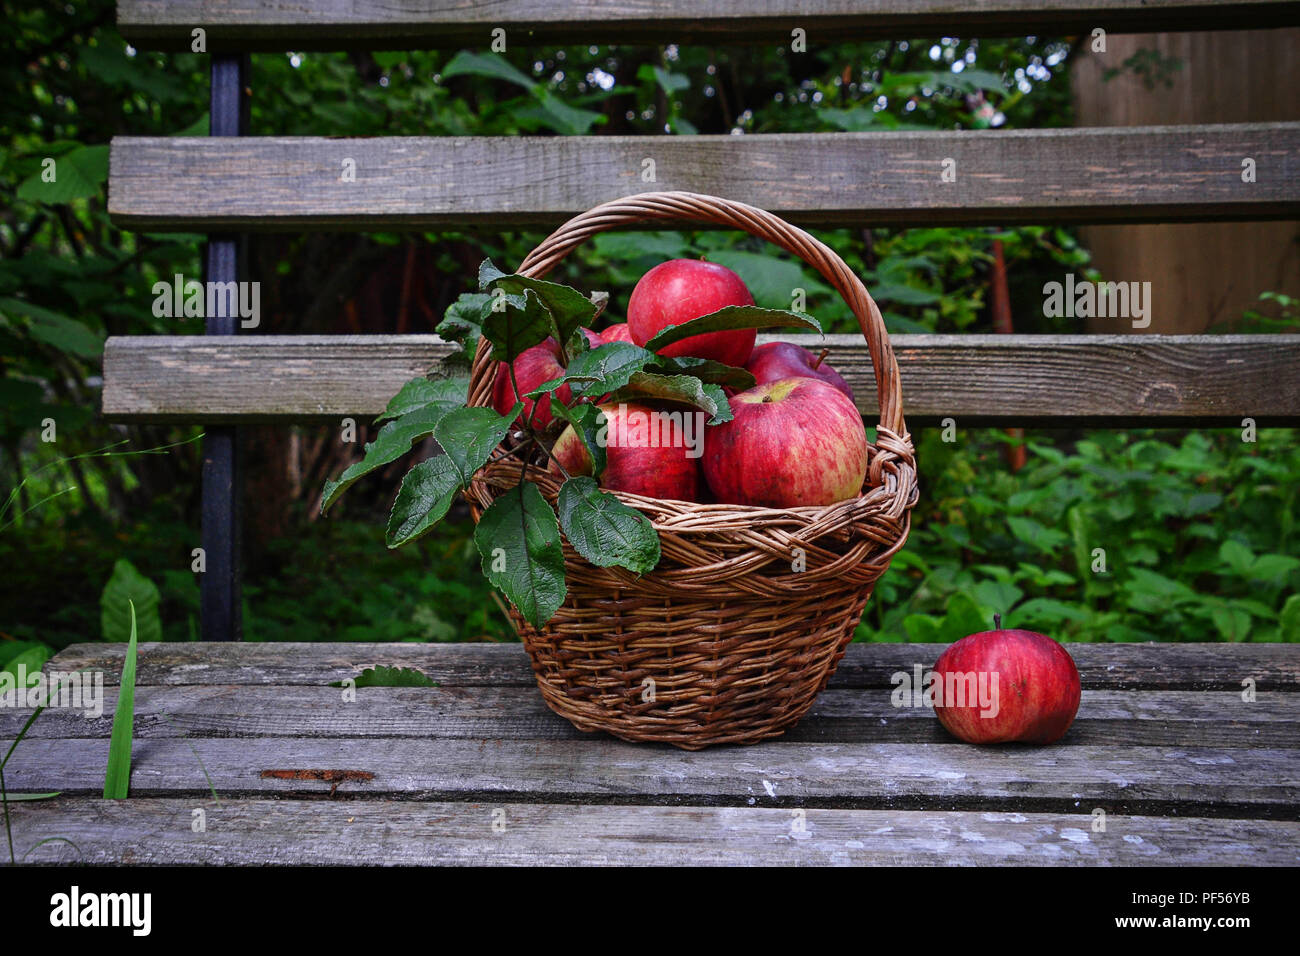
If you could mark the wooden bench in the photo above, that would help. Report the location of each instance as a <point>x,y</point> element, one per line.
<point>1166,765</point>
<point>1183,770</point>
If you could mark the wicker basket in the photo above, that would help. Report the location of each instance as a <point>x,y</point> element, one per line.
<point>723,643</point>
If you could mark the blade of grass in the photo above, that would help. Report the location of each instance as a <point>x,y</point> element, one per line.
<point>117,778</point>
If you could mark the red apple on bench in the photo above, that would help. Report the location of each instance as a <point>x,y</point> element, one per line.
<point>646,452</point>
<point>681,290</point>
<point>793,442</point>
<point>1025,685</point>
<point>778,360</point>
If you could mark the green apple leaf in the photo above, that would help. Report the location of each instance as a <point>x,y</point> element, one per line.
<point>518,537</point>
<point>468,436</point>
<point>586,421</point>
<point>393,441</point>
<point>463,320</point>
<point>1289,630</point>
<point>680,389</point>
<point>569,309</point>
<point>420,392</point>
<point>423,500</point>
<point>706,370</point>
<point>733,318</point>
<point>520,323</point>
<point>604,530</point>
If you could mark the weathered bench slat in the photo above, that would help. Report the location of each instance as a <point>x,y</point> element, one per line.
<point>314,832</point>
<point>1242,782</point>
<point>275,25</point>
<point>1166,718</point>
<point>977,379</point>
<point>1003,177</point>
<point>1273,667</point>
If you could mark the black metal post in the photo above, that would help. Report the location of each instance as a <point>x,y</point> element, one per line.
<point>220,603</point>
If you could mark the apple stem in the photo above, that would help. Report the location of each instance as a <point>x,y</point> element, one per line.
<point>997,622</point>
<point>821,358</point>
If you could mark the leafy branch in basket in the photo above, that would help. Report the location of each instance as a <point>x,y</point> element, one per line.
<point>536,324</point>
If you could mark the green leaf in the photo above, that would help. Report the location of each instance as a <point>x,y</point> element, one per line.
<point>117,777</point>
<point>770,280</point>
<point>902,294</point>
<point>422,501</point>
<point>421,392</point>
<point>568,308</point>
<point>731,318</point>
<point>609,367</point>
<point>1233,623</point>
<point>466,63</point>
<point>77,175</point>
<point>554,113</point>
<point>680,389</point>
<point>519,539</point>
<point>1289,629</point>
<point>706,370</point>
<point>393,441</point>
<point>1035,534</point>
<point>390,677</point>
<point>1270,567</point>
<point>129,605</point>
<point>463,320</point>
<point>586,420</point>
<point>670,82</point>
<point>522,323</point>
<point>65,334</point>
<point>469,435</point>
<point>1236,556</point>
<point>604,530</point>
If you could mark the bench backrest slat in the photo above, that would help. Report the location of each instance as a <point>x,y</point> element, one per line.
<point>250,25</point>
<point>975,379</point>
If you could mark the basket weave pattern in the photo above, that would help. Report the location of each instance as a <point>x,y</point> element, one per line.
<point>724,642</point>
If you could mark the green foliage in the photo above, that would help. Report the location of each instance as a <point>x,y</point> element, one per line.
<point>1116,536</point>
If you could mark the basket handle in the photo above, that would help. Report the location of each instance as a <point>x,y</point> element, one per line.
<point>693,207</point>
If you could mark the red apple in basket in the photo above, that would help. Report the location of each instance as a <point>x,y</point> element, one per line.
<point>648,451</point>
<point>680,290</point>
<point>1003,686</point>
<point>533,367</point>
<point>793,442</point>
<point>617,333</point>
<point>778,360</point>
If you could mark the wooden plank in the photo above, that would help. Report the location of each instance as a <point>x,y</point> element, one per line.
<point>1003,177</point>
<point>382,832</point>
<point>1161,781</point>
<point>1146,718</point>
<point>1024,380</point>
<point>1273,667</point>
<point>277,25</point>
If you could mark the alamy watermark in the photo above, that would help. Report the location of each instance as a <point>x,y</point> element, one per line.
<point>191,299</point>
<point>78,690</point>
<point>923,688</point>
<point>1083,299</point>
<point>635,428</point>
